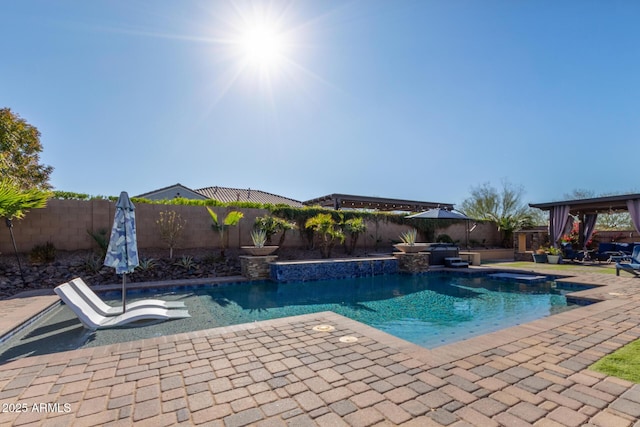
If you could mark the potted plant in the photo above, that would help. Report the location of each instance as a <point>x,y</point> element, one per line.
<point>259,238</point>
<point>554,255</point>
<point>409,244</point>
<point>540,255</point>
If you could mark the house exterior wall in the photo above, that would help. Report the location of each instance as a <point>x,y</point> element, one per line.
<point>173,192</point>
<point>67,223</point>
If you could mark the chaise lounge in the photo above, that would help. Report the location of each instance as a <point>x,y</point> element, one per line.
<point>93,320</point>
<point>106,310</point>
<point>633,266</point>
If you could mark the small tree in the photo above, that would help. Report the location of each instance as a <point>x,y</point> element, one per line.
<point>232,219</point>
<point>354,227</point>
<point>170,225</point>
<point>505,208</point>
<point>327,230</point>
<point>15,203</point>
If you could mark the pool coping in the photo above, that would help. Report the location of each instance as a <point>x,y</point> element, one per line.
<point>531,373</point>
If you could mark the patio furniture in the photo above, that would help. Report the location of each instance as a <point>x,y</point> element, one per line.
<point>106,310</point>
<point>613,251</point>
<point>93,320</point>
<point>633,266</point>
<point>569,254</point>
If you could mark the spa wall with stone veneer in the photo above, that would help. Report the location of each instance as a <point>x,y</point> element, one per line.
<point>256,267</point>
<point>332,269</point>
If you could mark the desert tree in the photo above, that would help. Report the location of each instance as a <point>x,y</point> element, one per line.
<point>170,225</point>
<point>504,207</point>
<point>20,150</point>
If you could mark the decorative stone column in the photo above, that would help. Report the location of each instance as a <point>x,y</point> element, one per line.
<point>412,263</point>
<point>256,267</point>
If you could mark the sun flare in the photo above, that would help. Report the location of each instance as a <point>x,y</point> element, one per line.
<point>262,46</point>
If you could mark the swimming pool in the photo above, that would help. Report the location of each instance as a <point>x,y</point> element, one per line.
<point>428,310</point>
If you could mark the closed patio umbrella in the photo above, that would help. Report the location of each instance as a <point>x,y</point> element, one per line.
<point>122,252</point>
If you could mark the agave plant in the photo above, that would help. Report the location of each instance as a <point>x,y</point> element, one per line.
<point>92,263</point>
<point>259,237</point>
<point>185,262</point>
<point>146,264</point>
<point>409,237</point>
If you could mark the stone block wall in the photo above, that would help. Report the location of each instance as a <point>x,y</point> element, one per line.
<point>65,224</point>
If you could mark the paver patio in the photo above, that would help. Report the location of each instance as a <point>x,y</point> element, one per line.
<point>282,372</point>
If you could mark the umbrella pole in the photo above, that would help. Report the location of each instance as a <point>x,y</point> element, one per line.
<point>124,292</point>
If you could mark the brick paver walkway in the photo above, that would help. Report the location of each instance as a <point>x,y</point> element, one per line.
<point>283,372</point>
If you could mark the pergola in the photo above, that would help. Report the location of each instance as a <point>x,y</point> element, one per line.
<point>561,213</point>
<point>348,201</point>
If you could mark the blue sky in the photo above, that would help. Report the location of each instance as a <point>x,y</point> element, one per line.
<point>405,99</point>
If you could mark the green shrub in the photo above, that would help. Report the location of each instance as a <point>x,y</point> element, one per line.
<point>102,240</point>
<point>444,238</point>
<point>93,263</point>
<point>41,254</point>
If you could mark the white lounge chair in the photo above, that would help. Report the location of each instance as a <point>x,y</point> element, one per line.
<point>93,320</point>
<point>106,310</point>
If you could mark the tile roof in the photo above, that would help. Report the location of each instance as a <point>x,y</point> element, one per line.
<point>227,194</point>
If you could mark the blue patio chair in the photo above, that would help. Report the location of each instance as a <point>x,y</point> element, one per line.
<point>568,254</point>
<point>633,266</point>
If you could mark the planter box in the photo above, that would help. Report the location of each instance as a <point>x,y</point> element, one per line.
<point>411,249</point>
<point>539,258</point>
<point>256,251</point>
<point>554,259</point>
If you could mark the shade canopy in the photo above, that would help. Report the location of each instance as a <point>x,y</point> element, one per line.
<point>439,214</point>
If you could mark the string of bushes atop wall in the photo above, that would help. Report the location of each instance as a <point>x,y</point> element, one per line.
<point>298,215</point>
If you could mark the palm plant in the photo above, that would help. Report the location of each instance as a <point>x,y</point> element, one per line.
<point>355,227</point>
<point>232,218</point>
<point>15,203</point>
<point>272,225</point>
<point>328,231</point>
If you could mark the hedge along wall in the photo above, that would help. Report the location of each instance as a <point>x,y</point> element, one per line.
<point>65,223</point>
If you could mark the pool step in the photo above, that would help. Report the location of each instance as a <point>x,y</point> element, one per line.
<point>455,262</point>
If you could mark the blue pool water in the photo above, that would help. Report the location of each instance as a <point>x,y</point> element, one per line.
<point>429,310</point>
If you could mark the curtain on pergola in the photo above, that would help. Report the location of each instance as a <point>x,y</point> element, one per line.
<point>558,220</point>
<point>634,210</point>
<point>589,227</point>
